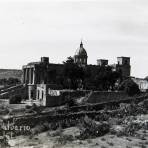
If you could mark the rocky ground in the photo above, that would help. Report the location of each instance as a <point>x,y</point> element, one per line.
<point>125,126</point>
<point>67,138</point>
<point>45,140</point>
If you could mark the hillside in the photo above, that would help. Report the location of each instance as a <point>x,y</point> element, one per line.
<point>7,73</point>
<point>121,126</point>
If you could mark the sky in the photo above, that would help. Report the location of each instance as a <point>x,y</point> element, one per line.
<point>30,29</point>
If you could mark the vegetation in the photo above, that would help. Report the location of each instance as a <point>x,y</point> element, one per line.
<point>79,77</point>
<point>90,128</point>
<point>71,102</point>
<point>130,87</point>
<point>73,74</point>
<point>63,139</point>
<point>76,77</point>
<point>15,99</point>
<point>7,73</point>
<point>9,81</point>
<point>105,78</point>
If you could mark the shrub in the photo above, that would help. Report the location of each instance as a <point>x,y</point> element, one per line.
<point>71,102</point>
<point>145,103</point>
<point>4,141</point>
<point>130,87</point>
<point>58,132</point>
<point>110,143</point>
<point>90,128</point>
<point>42,127</point>
<point>102,117</point>
<point>33,109</point>
<point>15,99</point>
<point>63,139</point>
<point>27,107</point>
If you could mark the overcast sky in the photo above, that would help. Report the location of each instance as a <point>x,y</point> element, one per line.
<point>30,29</point>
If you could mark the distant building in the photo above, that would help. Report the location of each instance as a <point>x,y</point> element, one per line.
<point>102,62</point>
<point>142,83</point>
<point>124,66</point>
<point>44,72</point>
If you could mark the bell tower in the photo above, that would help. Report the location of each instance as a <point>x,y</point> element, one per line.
<point>123,65</point>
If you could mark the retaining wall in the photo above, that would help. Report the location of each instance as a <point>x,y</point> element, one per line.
<point>105,96</point>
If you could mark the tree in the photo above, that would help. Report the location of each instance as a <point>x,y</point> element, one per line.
<point>73,74</point>
<point>52,75</point>
<point>97,77</point>
<point>106,78</point>
<point>113,77</point>
<point>130,87</point>
<point>9,81</point>
<point>146,78</point>
<point>15,99</point>
<point>12,81</point>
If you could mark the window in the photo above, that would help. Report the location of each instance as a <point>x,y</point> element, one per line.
<point>32,94</point>
<point>126,62</point>
<point>38,95</point>
<point>42,94</point>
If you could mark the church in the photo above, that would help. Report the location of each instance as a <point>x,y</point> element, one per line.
<point>43,72</point>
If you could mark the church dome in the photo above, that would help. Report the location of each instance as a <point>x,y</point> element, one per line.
<point>81,50</point>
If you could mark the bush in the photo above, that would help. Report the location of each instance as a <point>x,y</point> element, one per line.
<point>4,141</point>
<point>71,102</point>
<point>63,139</point>
<point>15,99</point>
<point>41,127</point>
<point>10,81</point>
<point>33,109</point>
<point>130,87</point>
<point>27,107</point>
<point>91,129</point>
<point>58,131</point>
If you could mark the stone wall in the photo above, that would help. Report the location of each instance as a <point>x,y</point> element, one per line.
<point>92,97</point>
<point>105,96</point>
<point>52,101</point>
<point>64,97</point>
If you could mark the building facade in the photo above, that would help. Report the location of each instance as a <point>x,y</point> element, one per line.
<point>43,72</point>
<point>142,83</point>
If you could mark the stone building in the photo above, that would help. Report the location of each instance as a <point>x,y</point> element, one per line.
<point>123,66</point>
<point>102,62</point>
<point>44,72</point>
<point>49,95</point>
<point>41,72</point>
<point>142,83</point>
